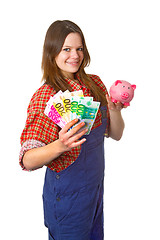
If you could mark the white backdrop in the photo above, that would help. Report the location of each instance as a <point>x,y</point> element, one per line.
<point>124,43</point>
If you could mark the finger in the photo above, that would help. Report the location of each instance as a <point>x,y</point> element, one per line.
<point>69,125</point>
<point>75,129</point>
<point>78,143</point>
<point>119,105</point>
<point>125,106</point>
<point>109,98</point>
<point>64,134</point>
<point>111,105</point>
<point>76,137</point>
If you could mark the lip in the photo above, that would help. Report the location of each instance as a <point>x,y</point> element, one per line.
<point>75,63</point>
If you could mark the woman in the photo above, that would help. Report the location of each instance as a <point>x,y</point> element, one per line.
<point>73,187</point>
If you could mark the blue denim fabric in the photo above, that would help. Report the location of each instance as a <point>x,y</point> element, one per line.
<point>73,198</point>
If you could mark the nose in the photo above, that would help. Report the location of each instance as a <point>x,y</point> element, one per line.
<point>125,95</point>
<point>74,54</point>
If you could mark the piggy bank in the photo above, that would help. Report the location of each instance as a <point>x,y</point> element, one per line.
<point>122,91</point>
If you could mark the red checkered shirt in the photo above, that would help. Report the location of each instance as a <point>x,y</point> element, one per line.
<point>40,130</point>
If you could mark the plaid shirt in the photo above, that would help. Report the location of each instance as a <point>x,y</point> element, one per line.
<point>40,130</point>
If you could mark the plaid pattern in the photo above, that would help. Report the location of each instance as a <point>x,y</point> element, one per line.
<point>40,128</point>
<point>30,144</point>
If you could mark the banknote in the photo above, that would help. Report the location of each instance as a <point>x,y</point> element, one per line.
<point>66,99</point>
<point>52,113</point>
<point>66,106</point>
<point>85,109</point>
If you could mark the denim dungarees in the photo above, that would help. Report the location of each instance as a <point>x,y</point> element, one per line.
<point>73,198</point>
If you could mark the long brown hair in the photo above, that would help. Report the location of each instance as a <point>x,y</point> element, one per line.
<point>52,75</point>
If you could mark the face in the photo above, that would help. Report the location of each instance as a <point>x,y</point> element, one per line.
<point>71,55</point>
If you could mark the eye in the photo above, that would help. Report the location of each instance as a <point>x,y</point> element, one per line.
<point>66,49</point>
<point>128,87</point>
<point>123,86</point>
<point>80,49</point>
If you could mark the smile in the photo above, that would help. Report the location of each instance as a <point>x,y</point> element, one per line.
<point>73,63</point>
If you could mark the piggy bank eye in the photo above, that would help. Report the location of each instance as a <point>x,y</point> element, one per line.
<point>123,86</point>
<point>128,87</point>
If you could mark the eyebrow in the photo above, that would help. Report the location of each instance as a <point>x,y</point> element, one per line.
<point>71,46</point>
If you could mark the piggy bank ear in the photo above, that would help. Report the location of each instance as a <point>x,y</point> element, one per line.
<point>118,81</point>
<point>133,87</point>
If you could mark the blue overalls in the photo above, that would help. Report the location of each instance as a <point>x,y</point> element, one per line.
<point>73,198</point>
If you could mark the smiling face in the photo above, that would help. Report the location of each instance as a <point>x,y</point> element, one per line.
<point>71,55</point>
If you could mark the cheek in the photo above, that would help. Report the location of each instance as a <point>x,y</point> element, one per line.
<point>60,59</point>
<point>81,56</point>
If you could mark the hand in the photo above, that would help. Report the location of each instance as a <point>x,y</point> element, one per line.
<point>70,139</point>
<point>114,106</point>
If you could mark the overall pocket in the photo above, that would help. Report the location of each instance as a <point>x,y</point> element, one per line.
<point>74,213</point>
<point>49,211</point>
<point>66,205</point>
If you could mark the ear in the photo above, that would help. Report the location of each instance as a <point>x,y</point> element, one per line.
<point>118,81</point>
<point>133,87</point>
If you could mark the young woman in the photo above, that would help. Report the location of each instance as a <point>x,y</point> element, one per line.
<point>73,187</point>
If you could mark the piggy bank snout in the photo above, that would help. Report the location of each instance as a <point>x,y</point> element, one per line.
<point>125,95</point>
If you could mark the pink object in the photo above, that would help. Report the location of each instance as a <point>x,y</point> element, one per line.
<point>122,91</point>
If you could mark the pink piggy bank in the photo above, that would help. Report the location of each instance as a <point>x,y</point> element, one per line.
<point>122,91</point>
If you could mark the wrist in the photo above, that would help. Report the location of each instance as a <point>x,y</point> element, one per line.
<point>60,149</point>
<point>115,113</point>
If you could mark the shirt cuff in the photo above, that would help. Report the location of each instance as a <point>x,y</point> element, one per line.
<point>28,145</point>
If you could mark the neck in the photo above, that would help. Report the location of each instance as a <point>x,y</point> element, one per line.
<point>69,75</point>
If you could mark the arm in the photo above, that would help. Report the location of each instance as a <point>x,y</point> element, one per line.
<point>38,157</point>
<point>116,121</point>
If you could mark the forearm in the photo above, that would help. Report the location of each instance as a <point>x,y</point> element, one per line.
<point>38,157</point>
<point>116,125</point>
<point>68,139</point>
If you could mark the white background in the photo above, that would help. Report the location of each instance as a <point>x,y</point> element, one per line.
<point>124,43</point>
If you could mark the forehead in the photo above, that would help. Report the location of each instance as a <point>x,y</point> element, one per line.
<point>73,39</point>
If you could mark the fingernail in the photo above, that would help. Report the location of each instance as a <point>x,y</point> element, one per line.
<point>83,123</point>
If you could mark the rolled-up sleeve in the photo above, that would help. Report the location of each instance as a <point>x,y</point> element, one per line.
<point>28,145</point>
<point>39,130</point>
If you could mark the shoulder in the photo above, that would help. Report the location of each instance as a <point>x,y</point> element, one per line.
<point>98,81</point>
<point>40,98</point>
<point>38,126</point>
<point>94,77</point>
<point>43,93</point>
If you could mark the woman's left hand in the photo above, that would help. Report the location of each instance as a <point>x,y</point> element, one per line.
<point>117,107</point>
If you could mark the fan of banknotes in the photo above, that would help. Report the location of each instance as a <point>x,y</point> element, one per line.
<point>63,107</point>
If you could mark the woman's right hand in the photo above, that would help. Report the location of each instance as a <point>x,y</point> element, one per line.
<point>69,139</point>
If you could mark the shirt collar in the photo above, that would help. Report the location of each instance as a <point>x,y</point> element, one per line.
<point>78,85</point>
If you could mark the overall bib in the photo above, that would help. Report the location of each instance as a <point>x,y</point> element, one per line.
<point>73,198</point>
